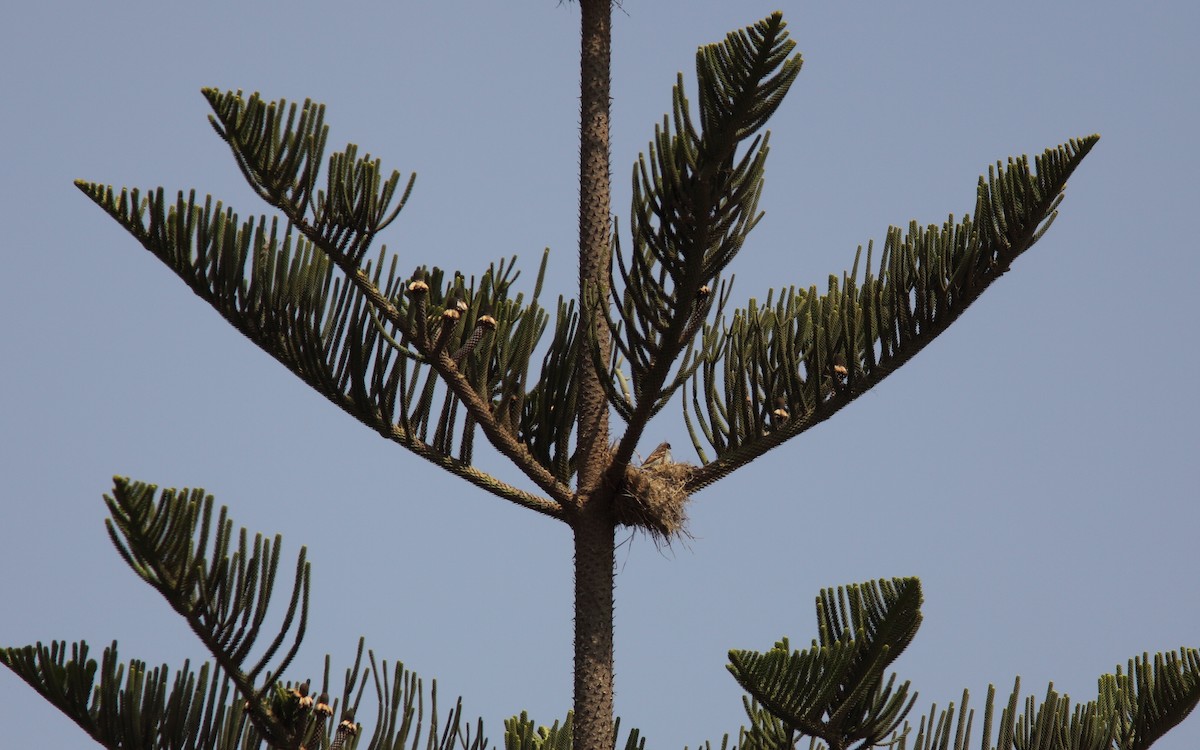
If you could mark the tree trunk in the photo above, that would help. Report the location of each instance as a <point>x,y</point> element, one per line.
<point>591,519</point>
<point>594,628</point>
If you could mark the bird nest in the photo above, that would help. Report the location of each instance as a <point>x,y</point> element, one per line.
<point>655,499</point>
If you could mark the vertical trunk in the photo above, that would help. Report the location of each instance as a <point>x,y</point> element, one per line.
<point>593,728</point>
<point>592,520</point>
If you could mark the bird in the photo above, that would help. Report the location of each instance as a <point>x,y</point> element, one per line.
<point>660,456</point>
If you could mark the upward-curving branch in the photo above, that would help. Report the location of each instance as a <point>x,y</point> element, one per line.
<point>787,365</point>
<point>694,203</point>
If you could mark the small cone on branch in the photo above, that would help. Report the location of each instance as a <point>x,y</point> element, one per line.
<point>322,707</point>
<point>483,324</point>
<point>345,730</point>
<point>418,285</point>
<point>781,412</point>
<point>839,368</point>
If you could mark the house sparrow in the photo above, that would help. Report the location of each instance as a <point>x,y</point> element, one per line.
<point>658,457</point>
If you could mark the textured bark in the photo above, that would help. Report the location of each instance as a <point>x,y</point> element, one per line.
<point>591,517</point>
<point>594,533</point>
<point>594,237</point>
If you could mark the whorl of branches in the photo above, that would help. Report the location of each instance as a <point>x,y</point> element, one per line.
<point>833,692</point>
<point>433,360</point>
<point>221,584</point>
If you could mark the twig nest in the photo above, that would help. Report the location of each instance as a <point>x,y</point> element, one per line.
<point>654,499</point>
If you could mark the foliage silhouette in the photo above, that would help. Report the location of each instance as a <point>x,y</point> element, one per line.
<point>441,360</point>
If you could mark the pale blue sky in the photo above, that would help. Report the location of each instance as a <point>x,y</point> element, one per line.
<point>1036,467</point>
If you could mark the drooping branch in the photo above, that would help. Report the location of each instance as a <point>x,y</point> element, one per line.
<point>342,221</point>
<point>128,705</point>
<point>291,300</point>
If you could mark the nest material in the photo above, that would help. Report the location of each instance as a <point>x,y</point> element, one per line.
<point>654,499</point>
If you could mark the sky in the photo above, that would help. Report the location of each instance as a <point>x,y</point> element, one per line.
<point>1036,466</point>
